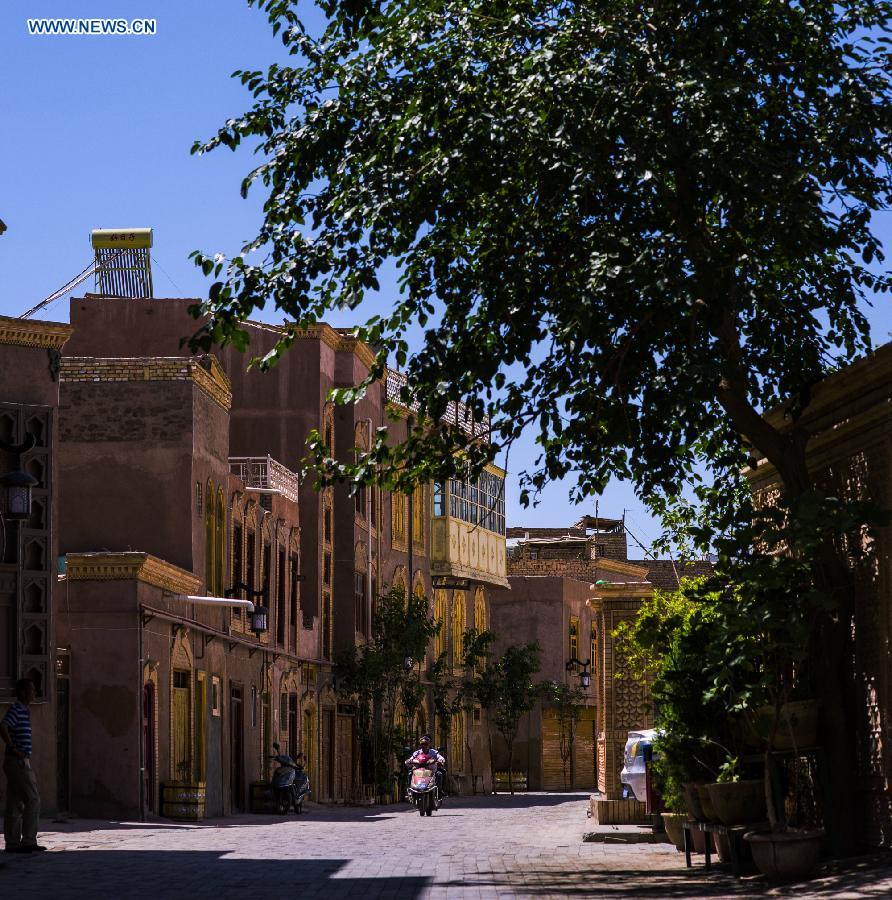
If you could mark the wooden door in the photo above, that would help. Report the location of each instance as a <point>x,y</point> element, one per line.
<point>148,740</point>
<point>236,749</point>
<point>293,725</point>
<point>201,727</point>
<point>555,775</point>
<point>327,773</point>
<point>345,760</point>
<point>180,757</point>
<point>586,750</point>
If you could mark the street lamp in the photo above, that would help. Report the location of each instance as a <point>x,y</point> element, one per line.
<point>17,494</point>
<point>260,615</point>
<point>585,677</point>
<point>17,485</point>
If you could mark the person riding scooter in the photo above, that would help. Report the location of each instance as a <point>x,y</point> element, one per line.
<point>425,750</point>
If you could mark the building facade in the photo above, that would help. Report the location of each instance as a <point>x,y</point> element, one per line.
<point>352,546</point>
<point>29,401</point>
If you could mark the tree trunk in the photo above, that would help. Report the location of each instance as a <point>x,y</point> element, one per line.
<point>831,654</point>
<point>510,744</point>
<point>492,771</point>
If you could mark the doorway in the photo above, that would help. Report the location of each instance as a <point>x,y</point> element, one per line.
<point>63,731</point>
<point>181,738</point>
<point>293,725</point>
<point>236,749</point>
<point>148,745</point>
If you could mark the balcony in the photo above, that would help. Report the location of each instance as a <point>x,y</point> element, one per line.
<point>456,413</point>
<point>468,530</point>
<point>263,473</point>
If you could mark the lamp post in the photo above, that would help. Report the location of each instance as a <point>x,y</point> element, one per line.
<point>585,677</point>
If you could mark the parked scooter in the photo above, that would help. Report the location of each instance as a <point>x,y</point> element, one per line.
<point>423,790</point>
<point>290,783</point>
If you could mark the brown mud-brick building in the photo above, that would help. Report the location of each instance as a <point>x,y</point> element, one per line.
<point>30,353</point>
<point>349,547</point>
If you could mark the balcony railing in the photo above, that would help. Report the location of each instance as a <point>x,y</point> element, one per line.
<point>263,473</point>
<point>456,413</point>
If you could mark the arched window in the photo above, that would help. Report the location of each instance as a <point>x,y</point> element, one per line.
<point>459,600</point>
<point>398,509</point>
<point>418,516</point>
<point>479,609</point>
<point>440,618</point>
<point>210,540</point>
<point>361,444</point>
<point>573,648</point>
<point>220,539</point>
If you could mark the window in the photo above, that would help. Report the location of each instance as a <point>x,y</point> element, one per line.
<point>221,542</point>
<point>210,542</point>
<point>294,599</point>
<point>459,600</point>
<point>326,625</point>
<point>594,646</point>
<point>237,566</point>
<point>251,560</point>
<point>440,618</point>
<point>398,503</point>
<point>280,597</point>
<point>373,506</point>
<point>359,599</point>
<point>418,516</point>
<point>479,610</point>
<point>327,516</point>
<point>266,573</point>
<point>215,695</point>
<point>439,499</point>
<point>359,500</point>
<point>326,568</point>
<point>480,502</point>
<point>574,638</point>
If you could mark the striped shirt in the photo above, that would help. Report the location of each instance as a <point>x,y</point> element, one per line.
<point>18,721</point>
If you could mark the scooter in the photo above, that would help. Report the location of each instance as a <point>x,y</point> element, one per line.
<point>290,783</point>
<point>423,790</point>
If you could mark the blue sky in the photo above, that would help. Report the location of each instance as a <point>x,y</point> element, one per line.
<point>96,133</point>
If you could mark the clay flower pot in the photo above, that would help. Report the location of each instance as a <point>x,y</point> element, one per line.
<point>788,854</point>
<point>673,823</point>
<point>706,803</point>
<point>738,802</point>
<point>692,801</point>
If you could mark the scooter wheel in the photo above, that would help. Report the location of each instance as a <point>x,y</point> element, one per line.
<point>430,810</point>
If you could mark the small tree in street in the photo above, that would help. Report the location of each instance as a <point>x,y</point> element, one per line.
<point>508,684</point>
<point>376,677</point>
<point>568,703</point>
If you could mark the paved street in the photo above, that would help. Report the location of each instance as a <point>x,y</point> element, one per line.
<point>475,847</point>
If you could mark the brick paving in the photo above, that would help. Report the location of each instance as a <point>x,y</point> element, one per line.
<point>526,846</point>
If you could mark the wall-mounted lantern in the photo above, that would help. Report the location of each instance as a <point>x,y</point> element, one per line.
<point>585,677</point>
<point>16,487</point>
<point>260,614</point>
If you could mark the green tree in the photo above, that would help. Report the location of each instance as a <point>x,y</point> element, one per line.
<point>507,684</point>
<point>376,677</point>
<point>635,227</point>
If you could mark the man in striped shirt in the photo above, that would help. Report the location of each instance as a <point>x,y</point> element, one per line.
<point>22,798</point>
